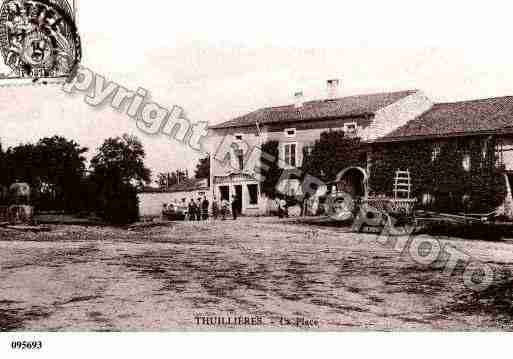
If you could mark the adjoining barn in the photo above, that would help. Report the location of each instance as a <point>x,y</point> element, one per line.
<point>460,155</point>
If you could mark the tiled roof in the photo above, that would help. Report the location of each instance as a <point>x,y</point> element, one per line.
<point>358,105</point>
<point>459,118</point>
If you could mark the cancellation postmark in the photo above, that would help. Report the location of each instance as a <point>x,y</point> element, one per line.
<point>39,41</point>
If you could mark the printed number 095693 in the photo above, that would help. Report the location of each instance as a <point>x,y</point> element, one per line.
<point>26,345</point>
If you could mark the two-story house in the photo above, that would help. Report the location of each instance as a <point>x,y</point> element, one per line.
<point>296,127</point>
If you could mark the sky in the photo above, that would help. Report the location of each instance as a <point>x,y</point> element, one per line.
<point>221,59</point>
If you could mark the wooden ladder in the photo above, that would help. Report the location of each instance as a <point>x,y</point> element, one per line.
<point>402,184</point>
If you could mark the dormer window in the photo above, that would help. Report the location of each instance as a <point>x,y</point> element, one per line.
<point>351,128</point>
<point>290,132</point>
<point>238,137</point>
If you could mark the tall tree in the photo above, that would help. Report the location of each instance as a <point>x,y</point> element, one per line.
<point>122,158</point>
<point>61,170</point>
<point>118,171</point>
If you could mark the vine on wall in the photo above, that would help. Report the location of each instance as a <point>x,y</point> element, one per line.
<point>272,172</point>
<point>440,180</point>
<point>332,153</point>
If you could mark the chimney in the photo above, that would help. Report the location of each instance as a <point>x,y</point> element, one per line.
<point>298,99</point>
<point>332,88</point>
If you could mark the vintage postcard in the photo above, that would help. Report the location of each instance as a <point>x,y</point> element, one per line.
<point>239,169</point>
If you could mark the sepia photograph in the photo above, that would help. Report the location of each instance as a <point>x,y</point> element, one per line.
<point>259,168</point>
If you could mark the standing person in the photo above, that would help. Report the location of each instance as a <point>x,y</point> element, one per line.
<point>224,208</point>
<point>192,210</point>
<point>198,209</point>
<point>204,208</point>
<point>314,206</point>
<point>234,207</point>
<point>183,209</point>
<point>163,213</point>
<point>280,208</point>
<point>215,208</point>
<point>276,204</point>
<point>304,204</point>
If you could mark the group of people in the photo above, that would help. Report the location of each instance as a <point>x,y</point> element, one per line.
<point>198,210</point>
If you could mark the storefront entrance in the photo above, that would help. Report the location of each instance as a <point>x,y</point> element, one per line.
<point>238,193</point>
<point>225,193</point>
<point>242,186</point>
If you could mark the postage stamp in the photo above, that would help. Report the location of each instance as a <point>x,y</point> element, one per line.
<point>39,41</point>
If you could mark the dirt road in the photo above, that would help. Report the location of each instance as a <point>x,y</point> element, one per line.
<point>258,273</point>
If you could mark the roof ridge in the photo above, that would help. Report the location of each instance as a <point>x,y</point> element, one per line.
<point>368,94</point>
<point>339,98</point>
<point>473,100</point>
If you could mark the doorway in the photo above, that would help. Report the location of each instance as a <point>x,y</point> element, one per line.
<point>238,193</point>
<point>352,180</point>
<point>225,193</point>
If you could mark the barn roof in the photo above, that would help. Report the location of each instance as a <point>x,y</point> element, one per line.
<point>493,115</point>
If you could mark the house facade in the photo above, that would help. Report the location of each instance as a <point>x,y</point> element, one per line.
<point>296,127</point>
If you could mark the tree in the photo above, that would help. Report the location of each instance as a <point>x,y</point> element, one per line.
<point>61,170</point>
<point>22,164</point>
<point>53,167</point>
<point>203,168</point>
<point>122,158</point>
<point>118,171</point>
